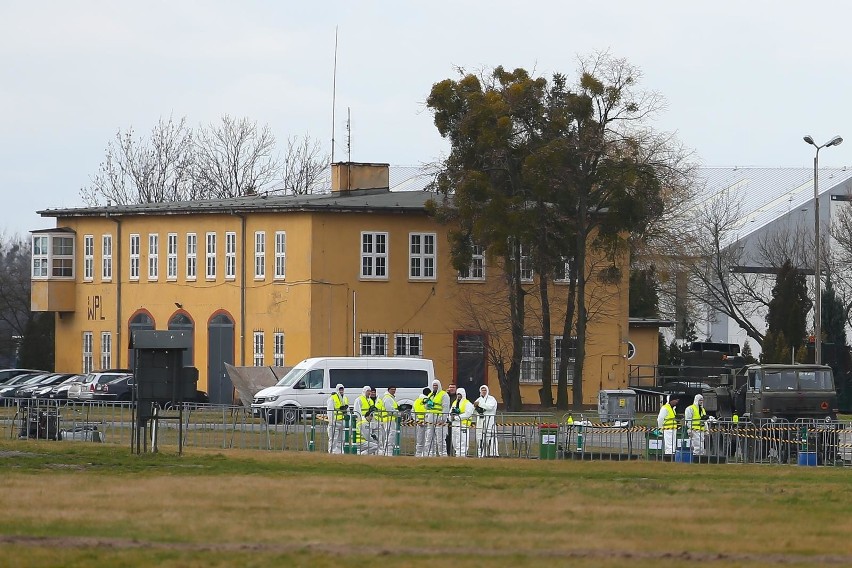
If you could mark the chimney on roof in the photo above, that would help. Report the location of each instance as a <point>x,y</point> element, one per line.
<point>353,176</point>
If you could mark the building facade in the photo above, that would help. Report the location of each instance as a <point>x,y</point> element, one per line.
<point>270,280</point>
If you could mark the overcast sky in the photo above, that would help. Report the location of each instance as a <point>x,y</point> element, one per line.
<point>744,81</point>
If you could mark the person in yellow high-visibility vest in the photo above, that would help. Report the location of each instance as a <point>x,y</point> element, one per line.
<point>389,422</point>
<point>337,407</point>
<point>460,423</point>
<point>667,422</point>
<point>419,413</point>
<point>364,405</point>
<point>695,418</point>
<point>437,413</point>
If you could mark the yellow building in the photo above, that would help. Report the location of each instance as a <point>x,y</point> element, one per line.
<point>272,280</point>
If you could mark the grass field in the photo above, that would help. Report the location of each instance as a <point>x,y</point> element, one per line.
<point>82,504</point>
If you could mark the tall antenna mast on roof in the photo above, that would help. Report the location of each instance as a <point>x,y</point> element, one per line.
<point>348,134</point>
<point>333,94</point>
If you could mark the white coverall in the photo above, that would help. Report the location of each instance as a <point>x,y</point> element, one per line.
<point>369,436</point>
<point>335,424</point>
<point>696,436</point>
<point>669,435</point>
<point>436,423</point>
<point>419,427</point>
<point>459,423</point>
<point>389,426</point>
<point>486,429</point>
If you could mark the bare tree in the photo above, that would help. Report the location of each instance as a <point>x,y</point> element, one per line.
<point>303,165</point>
<point>234,158</point>
<point>139,170</point>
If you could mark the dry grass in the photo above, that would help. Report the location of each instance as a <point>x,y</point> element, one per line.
<point>99,506</point>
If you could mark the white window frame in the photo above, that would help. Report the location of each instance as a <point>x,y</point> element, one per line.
<point>88,258</point>
<point>260,255</point>
<point>135,245</point>
<point>106,350</point>
<point>475,271</point>
<point>374,255</point>
<point>210,256</point>
<point>40,257</point>
<point>171,257</point>
<point>278,349</point>
<point>280,255</point>
<point>408,344</point>
<point>563,272</point>
<point>87,351</point>
<point>373,344</point>
<point>153,257</point>
<point>532,361</point>
<point>191,256</point>
<point>557,352</point>
<point>422,256</point>
<point>106,258</point>
<point>230,255</point>
<point>52,256</point>
<point>527,273</point>
<point>258,349</point>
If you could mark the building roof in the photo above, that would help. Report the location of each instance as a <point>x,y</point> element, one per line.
<point>767,194</point>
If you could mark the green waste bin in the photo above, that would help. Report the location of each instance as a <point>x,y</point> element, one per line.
<point>655,446</point>
<point>547,441</point>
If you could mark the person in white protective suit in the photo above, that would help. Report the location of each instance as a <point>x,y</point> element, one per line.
<point>368,437</point>
<point>486,429</point>
<point>389,424</point>
<point>419,415</point>
<point>437,412</point>
<point>364,408</point>
<point>337,408</point>
<point>667,422</point>
<point>460,423</point>
<point>695,418</point>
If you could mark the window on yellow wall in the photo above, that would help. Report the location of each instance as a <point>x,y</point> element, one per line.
<point>421,256</point>
<point>571,345</point>
<point>106,350</point>
<point>191,256</point>
<point>87,351</point>
<point>258,349</point>
<point>106,258</point>
<point>408,344</point>
<point>259,255</point>
<point>476,269</point>
<point>374,255</point>
<point>230,256</point>
<point>211,256</point>
<point>374,344</point>
<point>153,256</point>
<point>135,246</point>
<point>278,349</point>
<point>89,258</point>
<point>280,254</point>
<point>532,361</point>
<point>172,256</point>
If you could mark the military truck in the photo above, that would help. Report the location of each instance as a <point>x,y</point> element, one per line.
<point>787,392</point>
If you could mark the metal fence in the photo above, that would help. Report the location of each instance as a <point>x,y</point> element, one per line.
<point>507,435</point>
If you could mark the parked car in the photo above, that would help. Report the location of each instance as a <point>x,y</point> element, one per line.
<point>84,391</point>
<point>9,390</point>
<point>48,382</point>
<point>120,389</point>
<point>60,391</point>
<point>8,374</point>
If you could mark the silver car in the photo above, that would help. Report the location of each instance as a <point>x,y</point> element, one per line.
<point>84,390</point>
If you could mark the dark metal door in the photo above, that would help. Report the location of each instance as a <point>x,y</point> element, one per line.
<point>220,350</point>
<point>181,322</point>
<point>140,321</point>
<point>471,368</point>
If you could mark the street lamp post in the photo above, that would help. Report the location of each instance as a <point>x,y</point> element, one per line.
<point>836,141</point>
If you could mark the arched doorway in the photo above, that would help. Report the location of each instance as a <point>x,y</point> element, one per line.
<point>220,350</point>
<point>182,322</point>
<point>141,320</point>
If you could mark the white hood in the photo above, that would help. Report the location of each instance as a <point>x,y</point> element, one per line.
<point>461,392</point>
<point>436,381</point>
<point>487,390</point>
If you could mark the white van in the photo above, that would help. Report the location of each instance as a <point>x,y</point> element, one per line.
<point>311,382</point>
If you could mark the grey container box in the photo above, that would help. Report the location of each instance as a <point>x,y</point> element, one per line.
<point>615,405</point>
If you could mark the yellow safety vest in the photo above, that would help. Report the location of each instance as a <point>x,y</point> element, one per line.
<point>387,416</point>
<point>338,402</point>
<point>467,422</point>
<point>420,408</point>
<point>670,421</point>
<point>697,413</point>
<point>366,404</point>
<point>436,399</point>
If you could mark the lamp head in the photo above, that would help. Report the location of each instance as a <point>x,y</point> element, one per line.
<point>836,141</point>
<point>809,140</point>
